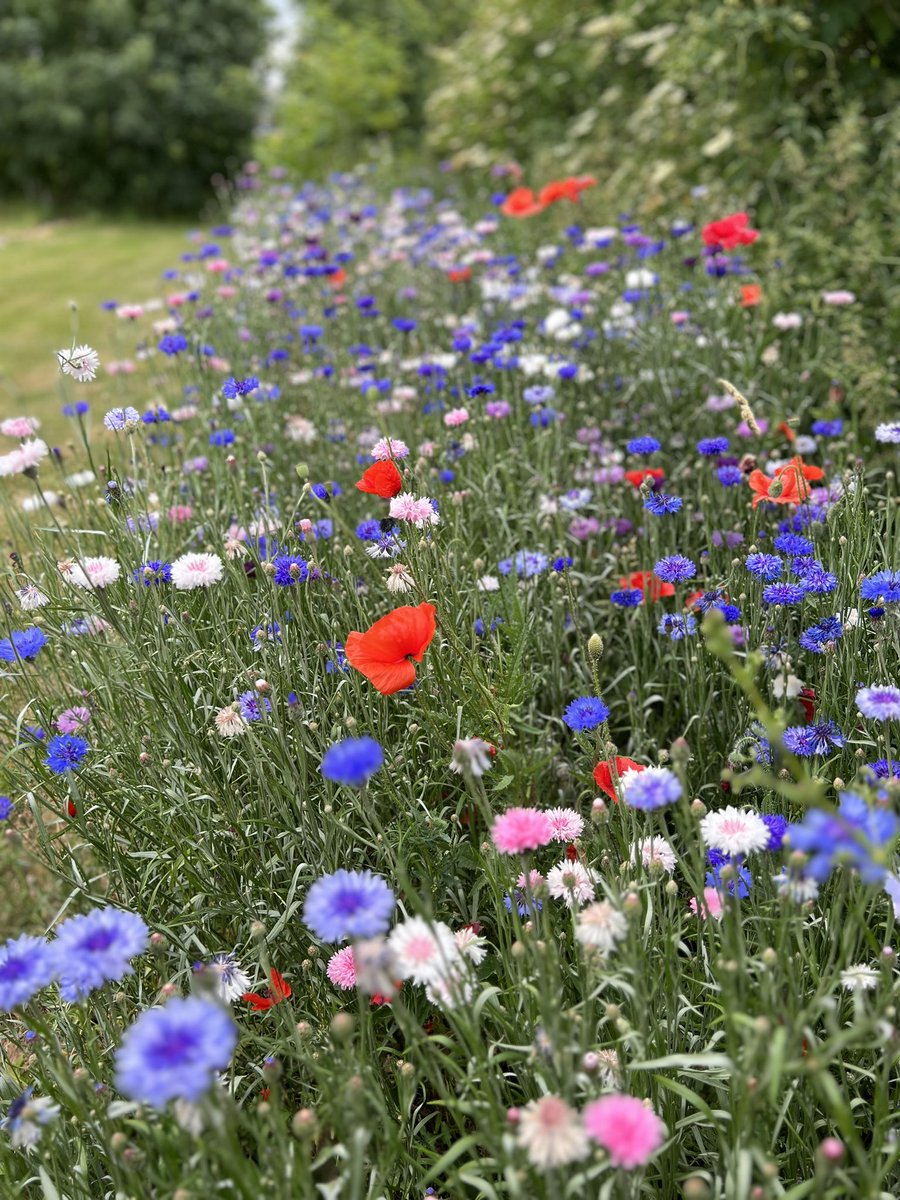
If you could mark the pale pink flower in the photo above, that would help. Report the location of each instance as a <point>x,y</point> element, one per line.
<point>471,944</point>
<point>179,513</point>
<point>33,452</point>
<point>630,1132</point>
<point>185,413</point>
<point>734,831</point>
<point>567,824</point>
<point>226,292</point>
<point>550,1133</point>
<point>196,571</point>
<point>229,722</point>
<point>533,883</point>
<point>80,363</point>
<point>711,905</point>
<point>521,829</point>
<point>471,756</point>
<point>130,312</point>
<point>12,463</point>
<point>31,597</point>
<point>456,416</point>
<point>785,321</point>
<point>571,882</point>
<point>601,926</point>
<point>654,852</point>
<point>121,367</point>
<point>20,427</point>
<point>399,578</point>
<point>97,572</point>
<point>680,317</point>
<point>422,950</point>
<point>341,969</point>
<point>839,298</point>
<point>389,448</point>
<point>73,720</point>
<point>417,509</point>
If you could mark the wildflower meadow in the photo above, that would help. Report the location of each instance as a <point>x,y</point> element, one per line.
<point>451,684</point>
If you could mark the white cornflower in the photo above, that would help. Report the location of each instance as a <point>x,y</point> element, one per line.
<point>422,951</point>
<point>231,982</point>
<point>80,363</point>
<point>488,583</point>
<point>32,504</point>
<point>889,433</point>
<point>399,579</point>
<point>734,831</point>
<point>196,571</point>
<point>654,852</point>
<point>229,723</point>
<point>602,926</point>
<point>373,963</point>
<point>796,887</point>
<point>571,882</point>
<point>551,1134</point>
<point>471,944</point>
<point>96,572</point>
<point>471,756</point>
<point>31,597</point>
<point>860,978</point>
<point>80,479</point>
<point>789,320</point>
<point>451,989</point>
<point>26,1118</point>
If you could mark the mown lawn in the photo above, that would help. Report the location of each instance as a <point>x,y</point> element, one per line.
<point>45,265</point>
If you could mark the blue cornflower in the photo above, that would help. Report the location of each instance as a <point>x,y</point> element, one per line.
<point>883,586</point>
<point>348,904</point>
<point>643,445</point>
<point>253,705</point>
<point>808,740</point>
<point>675,569</point>
<point>520,898</point>
<point>64,752</point>
<point>153,573</point>
<point>630,598</point>
<point>222,437</point>
<point>882,769</point>
<point>526,563</point>
<point>741,884</point>
<point>730,476</point>
<point>261,634</point>
<point>587,712</point>
<point>879,703</point>
<point>480,389</point>
<point>289,569</point>
<point>764,566</point>
<point>816,579</point>
<point>320,491</point>
<point>94,949</point>
<point>777,826</point>
<point>175,1052</point>
<point>26,643</point>
<point>404,324</point>
<point>793,544</point>
<point>783,593</point>
<point>538,394</point>
<point>75,410</point>
<point>369,530</point>
<point>659,503</point>
<point>819,636</point>
<point>651,789</point>
<point>854,835</point>
<point>353,761</point>
<point>561,564</point>
<point>678,627</point>
<point>173,343</point>
<point>117,418</point>
<point>829,429</point>
<point>6,808</point>
<point>232,388</point>
<point>339,661</point>
<point>26,965</point>
<point>710,447</point>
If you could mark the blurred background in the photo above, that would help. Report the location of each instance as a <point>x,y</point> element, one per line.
<point>121,120</point>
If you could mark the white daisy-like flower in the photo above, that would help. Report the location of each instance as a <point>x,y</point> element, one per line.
<point>32,504</point>
<point>601,926</point>
<point>422,951</point>
<point>734,831</point>
<point>567,824</point>
<point>197,570</point>
<point>551,1133</point>
<point>795,886</point>
<point>654,853</point>
<point>189,1116</point>
<point>399,579</point>
<point>80,363</point>
<point>488,583</point>
<point>26,1119</point>
<point>860,978</point>
<point>231,981</point>
<point>452,989</point>
<point>96,572</point>
<point>471,944</point>
<point>888,433</point>
<point>80,479</point>
<point>299,429</point>
<point>31,597</point>
<point>229,723</point>
<point>789,320</point>
<point>471,756</point>
<point>571,882</point>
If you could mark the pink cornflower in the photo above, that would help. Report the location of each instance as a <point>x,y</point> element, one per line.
<point>417,509</point>
<point>456,416</point>
<point>96,572</point>
<point>20,427</point>
<point>73,720</point>
<point>389,448</point>
<point>130,312</point>
<point>423,951</point>
<point>521,829</point>
<point>711,905</point>
<point>567,824</point>
<point>31,453</point>
<point>550,1133</point>
<point>197,570</point>
<point>179,513</point>
<point>628,1131</point>
<point>839,298</point>
<point>341,969</point>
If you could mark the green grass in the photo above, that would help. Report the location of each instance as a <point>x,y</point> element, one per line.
<point>47,265</point>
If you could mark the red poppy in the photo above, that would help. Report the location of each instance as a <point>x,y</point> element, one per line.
<point>71,809</point>
<point>384,651</point>
<point>807,701</point>
<point>381,479</point>
<point>789,485</point>
<point>280,990</point>
<point>751,294</point>
<point>572,852</point>
<point>339,277</point>
<point>787,431</point>
<point>657,474</point>
<point>647,583</point>
<point>565,189</point>
<point>459,274</point>
<point>603,775</point>
<point>729,232</point>
<point>521,202</point>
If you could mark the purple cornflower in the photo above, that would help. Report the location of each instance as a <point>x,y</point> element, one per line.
<point>730,476</point>
<point>815,578</point>
<point>678,626</point>
<point>253,705</point>
<point>880,703</point>
<point>808,740</point>
<point>883,586</point>
<point>630,598</point>
<point>643,445</point>
<point>793,544</point>
<point>525,564</point>
<point>675,569</point>
<point>783,593</point>
<point>348,904</point>
<point>291,568</point>
<point>26,965</point>
<point>764,566</point>
<point>94,949</point>
<point>710,447</point>
<point>653,788</point>
<point>856,835</point>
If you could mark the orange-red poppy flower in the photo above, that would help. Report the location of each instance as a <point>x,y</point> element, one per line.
<point>657,474</point>
<point>459,274</point>
<point>751,294</point>
<point>787,431</point>
<point>521,202</point>
<point>280,990</point>
<point>603,775</point>
<point>381,479</point>
<point>337,278</point>
<point>789,485</point>
<point>646,582</point>
<point>729,232</point>
<point>384,651</point>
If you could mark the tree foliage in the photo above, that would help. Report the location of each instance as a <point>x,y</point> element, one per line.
<point>126,103</point>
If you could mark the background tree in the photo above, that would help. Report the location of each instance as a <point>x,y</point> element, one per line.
<point>126,103</point>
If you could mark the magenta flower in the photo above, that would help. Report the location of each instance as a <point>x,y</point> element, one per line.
<point>521,829</point>
<point>630,1133</point>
